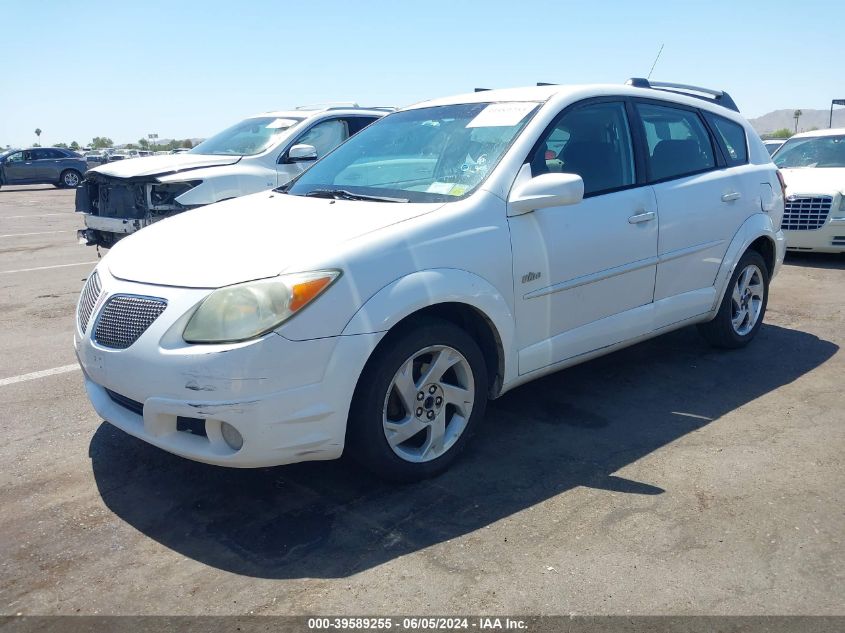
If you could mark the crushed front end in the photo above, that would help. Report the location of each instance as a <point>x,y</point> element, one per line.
<point>115,207</point>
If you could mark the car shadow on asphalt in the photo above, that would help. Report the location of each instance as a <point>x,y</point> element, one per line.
<point>831,261</point>
<point>574,428</point>
<point>23,189</point>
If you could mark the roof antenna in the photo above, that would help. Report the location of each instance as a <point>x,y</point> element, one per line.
<point>655,61</point>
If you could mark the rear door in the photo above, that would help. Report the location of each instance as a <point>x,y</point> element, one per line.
<point>696,201</point>
<point>48,164</point>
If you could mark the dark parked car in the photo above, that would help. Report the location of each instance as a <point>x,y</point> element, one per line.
<point>42,165</point>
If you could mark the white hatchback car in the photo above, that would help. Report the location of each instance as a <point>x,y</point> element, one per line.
<point>447,253</point>
<point>813,167</point>
<point>256,154</point>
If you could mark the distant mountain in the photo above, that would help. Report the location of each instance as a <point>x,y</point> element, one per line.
<point>809,119</point>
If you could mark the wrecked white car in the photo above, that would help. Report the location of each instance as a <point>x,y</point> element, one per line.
<point>261,152</point>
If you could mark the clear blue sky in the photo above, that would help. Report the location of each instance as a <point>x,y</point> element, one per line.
<point>184,68</point>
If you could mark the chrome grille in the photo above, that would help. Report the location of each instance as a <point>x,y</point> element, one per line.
<point>87,300</point>
<point>806,213</point>
<point>124,318</point>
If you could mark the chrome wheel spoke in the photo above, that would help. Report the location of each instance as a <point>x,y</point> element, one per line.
<point>436,436</point>
<point>440,364</point>
<point>756,290</point>
<point>398,432</point>
<point>739,318</point>
<point>405,387</point>
<point>737,295</point>
<point>457,396</point>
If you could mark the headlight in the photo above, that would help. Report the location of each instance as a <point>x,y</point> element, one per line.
<point>162,196</point>
<point>244,311</point>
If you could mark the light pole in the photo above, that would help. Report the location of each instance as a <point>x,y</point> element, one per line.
<point>152,138</point>
<point>833,103</point>
<point>797,115</point>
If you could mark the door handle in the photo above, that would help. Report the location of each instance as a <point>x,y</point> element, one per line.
<point>647,216</point>
<point>730,197</point>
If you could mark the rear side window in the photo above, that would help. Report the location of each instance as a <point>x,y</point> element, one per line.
<point>732,137</point>
<point>678,142</point>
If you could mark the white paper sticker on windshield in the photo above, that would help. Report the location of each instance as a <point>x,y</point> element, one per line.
<point>280,123</point>
<point>501,114</point>
<point>440,187</point>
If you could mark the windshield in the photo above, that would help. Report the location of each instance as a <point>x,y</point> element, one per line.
<point>815,151</point>
<point>247,138</point>
<point>435,154</point>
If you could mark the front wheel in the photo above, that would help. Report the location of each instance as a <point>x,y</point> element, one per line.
<point>70,178</point>
<point>418,401</point>
<point>742,309</point>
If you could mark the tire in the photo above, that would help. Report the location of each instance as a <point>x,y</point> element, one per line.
<point>743,306</point>
<point>428,435</point>
<point>69,179</point>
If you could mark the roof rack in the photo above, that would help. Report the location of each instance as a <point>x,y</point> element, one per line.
<point>719,97</point>
<point>342,105</point>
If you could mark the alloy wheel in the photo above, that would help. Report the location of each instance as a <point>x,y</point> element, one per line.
<point>747,300</point>
<point>428,403</point>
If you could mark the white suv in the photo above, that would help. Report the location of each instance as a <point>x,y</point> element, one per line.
<point>813,166</point>
<point>446,254</point>
<point>259,153</point>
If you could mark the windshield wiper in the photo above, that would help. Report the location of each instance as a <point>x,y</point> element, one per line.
<point>343,194</point>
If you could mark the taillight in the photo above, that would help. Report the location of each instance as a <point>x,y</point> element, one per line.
<point>782,183</point>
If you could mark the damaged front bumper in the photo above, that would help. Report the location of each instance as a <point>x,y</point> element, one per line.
<point>288,400</point>
<point>113,208</point>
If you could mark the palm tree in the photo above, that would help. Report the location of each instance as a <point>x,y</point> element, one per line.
<point>38,134</point>
<point>797,114</point>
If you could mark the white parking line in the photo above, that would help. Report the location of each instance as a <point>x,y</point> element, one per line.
<point>38,374</point>
<point>42,215</point>
<point>26,270</point>
<point>39,233</point>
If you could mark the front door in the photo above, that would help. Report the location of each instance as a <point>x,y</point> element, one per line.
<point>584,274</point>
<point>19,168</point>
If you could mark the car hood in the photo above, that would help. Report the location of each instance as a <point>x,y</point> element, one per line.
<point>824,180</point>
<point>251,237</point>
<point>159,165</point>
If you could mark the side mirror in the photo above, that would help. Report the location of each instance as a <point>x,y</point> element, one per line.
<point>545,190</point>
<point>300,153</point>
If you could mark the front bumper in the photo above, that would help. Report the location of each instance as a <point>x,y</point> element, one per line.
<point>830,238</point>
<point>289,400</point>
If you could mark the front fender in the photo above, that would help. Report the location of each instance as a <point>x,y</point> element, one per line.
<point>415,291</point>
<point>222,183</point>
<point>756,226</point>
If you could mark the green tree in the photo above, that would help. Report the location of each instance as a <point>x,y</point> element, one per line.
<point>187,143</point>
<point>784,132</point>
<point>63,145</point>
<point>143,143</point>
<point>99,142</point>
<point>74,145</point>
<point>797,114</point>
<point>38,134</point>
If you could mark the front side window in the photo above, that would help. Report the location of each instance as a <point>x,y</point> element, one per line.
<point>594,142</point>
<point>816,151</point>
<point>247,138</point>
<point>678,143</point>
<point>733,139</point>
<point>433,154</point>
<point>16,157</point>
<point>325,136</point>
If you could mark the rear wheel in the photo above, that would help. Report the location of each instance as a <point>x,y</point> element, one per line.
<point>418,401</point>
<point>743,306</point>
<point>70,178</point>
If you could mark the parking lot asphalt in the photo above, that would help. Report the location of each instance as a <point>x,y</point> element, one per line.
<point>669,478</point>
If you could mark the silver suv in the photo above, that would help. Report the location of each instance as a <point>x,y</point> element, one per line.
<point>261,152</point>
